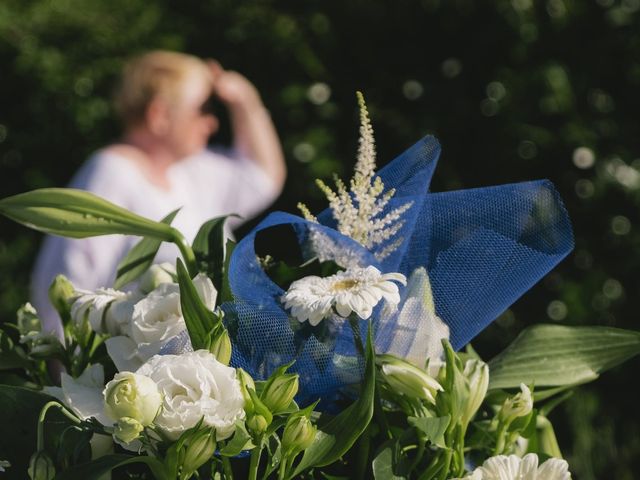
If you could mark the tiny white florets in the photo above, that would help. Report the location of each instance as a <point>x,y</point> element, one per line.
<point>357,210</point>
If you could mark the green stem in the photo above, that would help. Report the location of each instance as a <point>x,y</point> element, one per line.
<point>226,467</point>
<point>282,469</point>
<point>254,462</point>
<point>432,469</point>
<point>444,472</point>
<point>460,450</point>
<point>186,251</point>
<point>500,440</point>
<point>43,414</point>
<point>419,453</point>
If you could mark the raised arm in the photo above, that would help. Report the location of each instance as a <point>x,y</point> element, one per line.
<point>254,134</point>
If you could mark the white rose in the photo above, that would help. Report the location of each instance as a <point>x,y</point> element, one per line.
<point>156,319</point>
<point>195,385</point>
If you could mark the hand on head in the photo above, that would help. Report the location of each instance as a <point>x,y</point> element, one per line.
<point>232,88</point>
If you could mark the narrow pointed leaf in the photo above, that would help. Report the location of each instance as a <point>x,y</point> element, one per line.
<point>140,257</point>
<point>225,291</point>
<point>199,319</point>
<point>78,214</point>
<point>209,249</point>
<point>555,355</point>
<point>337,436</point>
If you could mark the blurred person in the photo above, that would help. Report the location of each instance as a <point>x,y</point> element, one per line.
<point>162,163</point>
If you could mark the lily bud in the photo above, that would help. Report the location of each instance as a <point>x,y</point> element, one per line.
<point>408,379</point>
<point>261,418</point>
<point>257,424</point>
<point>27,320</point>
<point>477,375</point>
<point>298,434</point>
<point>134,396</point>
<point>221,347</point>
<point>42,345</point>
<point>199,450</point>
<point>41,467</point>
<point>246,383</point>
<point>127,429</point>
<point>517,406</point>
<point>156,275</point>
<point>279,392</point>
<point>61,293</point>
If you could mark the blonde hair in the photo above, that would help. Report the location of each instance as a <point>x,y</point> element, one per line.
<point>152,75</point>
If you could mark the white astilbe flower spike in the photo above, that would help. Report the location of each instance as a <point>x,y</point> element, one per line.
<point>358,209</point>
<point>356,290</point>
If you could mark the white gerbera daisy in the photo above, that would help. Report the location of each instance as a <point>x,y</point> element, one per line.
<point>356,290</point>
<point>512,467</point>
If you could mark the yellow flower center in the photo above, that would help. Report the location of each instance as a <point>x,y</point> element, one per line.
<point>344,284</point>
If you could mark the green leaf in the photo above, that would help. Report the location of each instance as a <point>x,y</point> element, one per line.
<point>554,355</point>
<point>225,292</point>
<point>240,441</point>
<point>95,469</point>
<point>78,214</point>
<point>140,257</point>
<point>385,462</point>
<point>19,410</point>
<point>433,428</point>
<point>209,249</point>
<point>199,319</point>
<point>337,436</point>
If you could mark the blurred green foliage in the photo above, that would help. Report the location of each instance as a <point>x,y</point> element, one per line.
<point>514,90</point>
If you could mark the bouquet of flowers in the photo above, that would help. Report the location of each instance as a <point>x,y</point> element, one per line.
<point>340,358</point>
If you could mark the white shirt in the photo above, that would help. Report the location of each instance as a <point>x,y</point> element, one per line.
<point>204,186</point>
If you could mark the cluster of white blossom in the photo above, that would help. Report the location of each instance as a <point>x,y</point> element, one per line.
<point>358,210</point>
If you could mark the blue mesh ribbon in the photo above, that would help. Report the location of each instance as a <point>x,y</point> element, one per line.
<point>482,248</point>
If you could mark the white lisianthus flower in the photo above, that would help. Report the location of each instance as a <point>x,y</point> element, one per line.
<point>356,290</point>
<point>512,467</point>
<point>155,320</point>
<point>107,310</point>
<point>195,386</point>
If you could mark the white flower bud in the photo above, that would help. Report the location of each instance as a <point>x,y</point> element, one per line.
<point>477,375</point>
<point>221,348</point>
<point>133,396</point>
<point>298,434</point>
<point>27,320</point>
<point>127,429</point>
<point>518,405</point>
<point>156,275</point>
<point>199,450</point>
<point>408,379</point>
<point>279,392</point>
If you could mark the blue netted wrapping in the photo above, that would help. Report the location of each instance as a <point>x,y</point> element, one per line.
<point>482,248</point>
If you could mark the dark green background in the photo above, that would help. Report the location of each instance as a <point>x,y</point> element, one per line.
<point>511,89</point>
